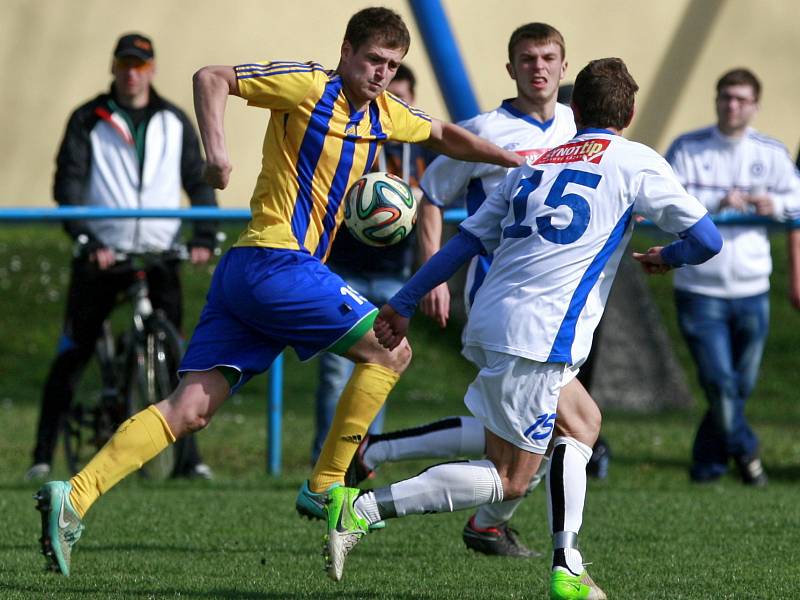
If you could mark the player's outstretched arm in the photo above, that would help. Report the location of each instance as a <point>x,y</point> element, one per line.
<point>441,267</point>
<point>698,244</point>
<point>212,85</point>
<point>457,142</point>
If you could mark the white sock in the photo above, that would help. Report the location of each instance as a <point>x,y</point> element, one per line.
<point>367,507</point>
<point>442,488</point>
<point>566,486</point>
<point>452,437</point>
<point>493,515</point>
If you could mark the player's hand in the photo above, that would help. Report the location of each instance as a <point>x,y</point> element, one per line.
<point>512,159</point>
<point>103,257</point>
<point>651,261</point>
<point>390,327</point>
<point>436,304</point>
<point>199,255</point>
<point>762,202</point>
<point>735,199</point>
<point>218,173</point>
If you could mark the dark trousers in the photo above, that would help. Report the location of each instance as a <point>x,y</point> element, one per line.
<point>92,296</point>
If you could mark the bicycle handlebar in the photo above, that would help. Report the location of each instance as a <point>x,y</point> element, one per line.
<point>178,252</point>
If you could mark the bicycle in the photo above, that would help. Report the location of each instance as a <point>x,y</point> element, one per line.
<point>127,373</point>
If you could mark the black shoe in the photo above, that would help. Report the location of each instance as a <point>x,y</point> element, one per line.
<point>601,457</point>
<point>752,471</point>
<point>358,471</point>
<point>495,541</point>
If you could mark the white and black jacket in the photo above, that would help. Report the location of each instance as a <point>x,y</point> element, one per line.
<point>103,162</point>
<point>709,165</point>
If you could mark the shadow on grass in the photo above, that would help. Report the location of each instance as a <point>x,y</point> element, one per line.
<point>783,473</point>
<point>35,591</point>
<point>21,486</point>
<point>265,483</point>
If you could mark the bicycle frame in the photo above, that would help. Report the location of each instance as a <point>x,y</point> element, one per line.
<point>136,370</point>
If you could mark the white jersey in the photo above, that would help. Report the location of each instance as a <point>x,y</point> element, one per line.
<point>558,229</point>
<point>710,165</point>
<point>448,182</point>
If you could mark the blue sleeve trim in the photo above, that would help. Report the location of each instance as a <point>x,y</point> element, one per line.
<point>441,267</point>
<point>697,244</point>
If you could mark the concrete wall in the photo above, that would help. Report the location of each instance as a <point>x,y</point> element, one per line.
<point>55,54</point>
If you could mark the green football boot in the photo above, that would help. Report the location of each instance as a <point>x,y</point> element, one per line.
<point>345,529</point>
<point>313,505</point>
<point>61,525</point>
<point>565,586</point>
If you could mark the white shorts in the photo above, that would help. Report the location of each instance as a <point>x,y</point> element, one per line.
<point>515,398</point>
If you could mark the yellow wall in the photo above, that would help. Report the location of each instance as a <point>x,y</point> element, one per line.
<point>56,54</point>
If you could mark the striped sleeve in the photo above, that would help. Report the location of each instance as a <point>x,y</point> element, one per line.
<point>409,124</point>
<point>279,85</point>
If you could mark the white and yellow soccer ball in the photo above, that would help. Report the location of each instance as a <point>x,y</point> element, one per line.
<point>380,209</point>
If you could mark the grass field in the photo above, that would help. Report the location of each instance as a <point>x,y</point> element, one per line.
<point>649,533</point>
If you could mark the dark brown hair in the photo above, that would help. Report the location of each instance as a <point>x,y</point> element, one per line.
<point>380,24</point>
<point>604,94</point>
<point>541,33</point>
<point>740,77</point>
<point>405,73</point>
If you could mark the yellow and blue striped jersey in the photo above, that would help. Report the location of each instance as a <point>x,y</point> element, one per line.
<point>315,147</point>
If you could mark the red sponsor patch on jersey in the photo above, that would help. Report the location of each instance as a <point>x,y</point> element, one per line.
<point>583,151</point>
<point>531,154</point>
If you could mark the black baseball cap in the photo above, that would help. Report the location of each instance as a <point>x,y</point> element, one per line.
<point>135,45</point>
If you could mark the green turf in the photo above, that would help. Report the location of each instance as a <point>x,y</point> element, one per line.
<point>649,533</point>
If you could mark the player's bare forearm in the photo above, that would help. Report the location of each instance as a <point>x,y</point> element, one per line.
<point>212,86</point>
<point>457,142</point>
<point>429,230</point>
<point>436,303</point>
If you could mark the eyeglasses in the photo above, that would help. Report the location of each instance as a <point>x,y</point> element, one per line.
<point>134,64</point>
<point>725,98</point>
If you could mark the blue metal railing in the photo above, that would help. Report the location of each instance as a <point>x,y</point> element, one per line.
<point>451,215</point>
<point>275,385</point>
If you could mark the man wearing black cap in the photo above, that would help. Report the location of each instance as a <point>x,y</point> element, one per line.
<point>127,148</point>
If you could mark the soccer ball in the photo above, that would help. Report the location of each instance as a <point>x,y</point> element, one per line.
<point>380,209</point>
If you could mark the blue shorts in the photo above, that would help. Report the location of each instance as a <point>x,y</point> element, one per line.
<point>264,299</point>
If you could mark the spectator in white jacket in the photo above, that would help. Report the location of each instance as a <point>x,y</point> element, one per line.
<point>723,304</point>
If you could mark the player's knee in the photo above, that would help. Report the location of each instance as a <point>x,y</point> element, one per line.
<point>184,415</point>
<point>514,488</point>
<point>403,356</point>
<point>594,421</point>
<point>398,359</point>
<point>195,421</point>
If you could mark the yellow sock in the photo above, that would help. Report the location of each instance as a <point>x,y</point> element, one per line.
<point>360,401</point>
<point>136,441</point>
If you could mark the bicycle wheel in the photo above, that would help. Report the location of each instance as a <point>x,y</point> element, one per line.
<point>96,409</point>
<point>152,377</point>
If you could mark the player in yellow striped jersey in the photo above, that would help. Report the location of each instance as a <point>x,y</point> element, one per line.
<point>272,289</point>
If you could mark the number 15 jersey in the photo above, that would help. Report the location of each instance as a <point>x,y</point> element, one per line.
<point>558,229</point>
